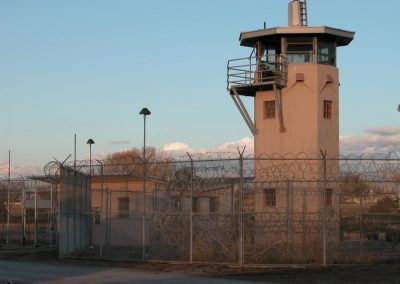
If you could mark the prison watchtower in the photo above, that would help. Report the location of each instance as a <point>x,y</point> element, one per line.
<point>293,77</point>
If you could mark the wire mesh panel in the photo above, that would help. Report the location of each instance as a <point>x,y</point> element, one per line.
<point>369,210</point>
<point>216,238</point>
<point>169,237</point>
<point>75,217</point>
<point>124,224</point>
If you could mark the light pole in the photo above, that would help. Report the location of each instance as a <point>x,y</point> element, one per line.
<point>88,200</point>
<point>145,112</point>
<point>90,142</point>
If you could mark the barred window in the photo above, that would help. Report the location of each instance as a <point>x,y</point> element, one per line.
<point>270,197</point>
<point>269,109</point>
<point>328,108</point>
<point>123,207</point>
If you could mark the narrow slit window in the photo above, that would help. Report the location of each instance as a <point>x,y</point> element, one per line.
<point>328,109</point>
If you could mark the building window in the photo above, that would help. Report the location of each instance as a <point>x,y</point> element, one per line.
<point>300,49</point>
<point>123,207</point>
<point>328,197</point>
<point>196,204</point>
<point>97,216</point>
<point>270,197</point>
<point>214,206</point>
<point>269,109</point>
<point>328,109</point>
<point>176,204</point>
<point>326,53</point>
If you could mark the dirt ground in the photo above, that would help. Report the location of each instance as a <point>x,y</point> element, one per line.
<point>378,273</point>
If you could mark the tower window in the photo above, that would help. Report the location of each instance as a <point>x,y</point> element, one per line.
<point>328,197</point>
<point>269,109</point>
<point>328,109</point>
<point>270,197</point>
<point>326,53</point>
<point>300,49</point>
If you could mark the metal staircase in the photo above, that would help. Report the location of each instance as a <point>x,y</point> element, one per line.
<point>303,13</point>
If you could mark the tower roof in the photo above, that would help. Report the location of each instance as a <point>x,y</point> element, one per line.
<point>341,37</point>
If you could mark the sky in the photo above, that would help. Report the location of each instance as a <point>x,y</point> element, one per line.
<point>87,67</point>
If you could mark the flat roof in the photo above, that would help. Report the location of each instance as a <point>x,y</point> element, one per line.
<point>342,37</point>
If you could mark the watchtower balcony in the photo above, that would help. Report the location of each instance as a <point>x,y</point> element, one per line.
<point>257,73</point>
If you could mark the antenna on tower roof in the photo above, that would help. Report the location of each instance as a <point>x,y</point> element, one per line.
<point>298,13</point>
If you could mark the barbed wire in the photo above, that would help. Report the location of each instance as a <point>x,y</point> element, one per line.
<point>213,171</point>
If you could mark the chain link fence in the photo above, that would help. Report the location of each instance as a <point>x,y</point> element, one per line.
<point>28,212</point>
<point>234,209</point>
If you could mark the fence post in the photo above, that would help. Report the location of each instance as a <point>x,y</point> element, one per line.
<point>51,214</point>
<point>241,233</point>
<point>101,209</point>
<point>23,216</point>
<point>324,208</point>
<point>361,219</point>
<point>35,232</point>
<point>288,214</point>
<point>191,208</point>
<point>144,207</point>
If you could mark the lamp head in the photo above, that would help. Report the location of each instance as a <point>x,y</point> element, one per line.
<point>90,141</point>
<point>145,111</point>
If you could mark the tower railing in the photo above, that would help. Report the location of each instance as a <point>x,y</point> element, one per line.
<point>257,70</point>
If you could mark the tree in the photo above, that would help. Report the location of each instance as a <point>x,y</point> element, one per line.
<point>385,205</point>
<point>159,164</point>
<point>396,177</point>
<point>353,186</point>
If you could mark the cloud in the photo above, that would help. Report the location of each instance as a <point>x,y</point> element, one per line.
<point>120,142</point>
<point>17,171</point>
<point>384,131</point>
<point>375,140</point>
<point>383,139</point>
<point>180,148</point>
<point>234,145</point>
<point>177,147</point>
